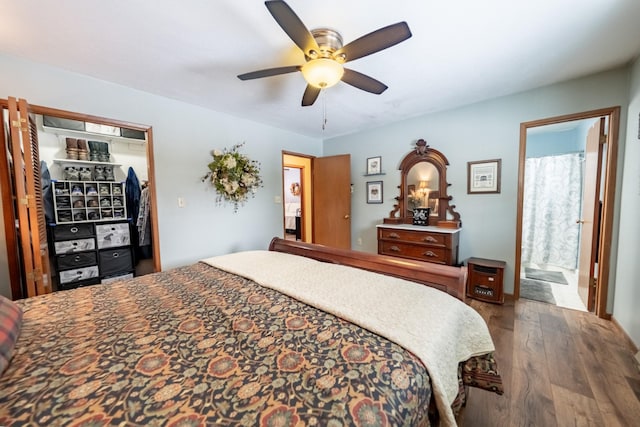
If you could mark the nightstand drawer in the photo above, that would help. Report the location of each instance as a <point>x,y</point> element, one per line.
<point>412,236</point>
<point>424,253</point>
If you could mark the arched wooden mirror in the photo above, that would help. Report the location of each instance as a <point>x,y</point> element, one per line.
<point>423,183</point>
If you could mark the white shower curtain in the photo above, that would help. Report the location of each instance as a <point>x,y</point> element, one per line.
<point>552,204</point>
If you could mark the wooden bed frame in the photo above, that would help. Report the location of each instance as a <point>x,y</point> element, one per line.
<point>451,280</point>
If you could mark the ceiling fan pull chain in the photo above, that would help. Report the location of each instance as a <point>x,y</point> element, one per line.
<point>324,109</point>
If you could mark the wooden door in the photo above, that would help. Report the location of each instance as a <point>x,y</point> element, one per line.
<point>332,201</point>
<point>590,220</point>
<point>31,226</point>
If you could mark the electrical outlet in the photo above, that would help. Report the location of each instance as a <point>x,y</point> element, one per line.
<point>277,199</point>
<point>181,203</point>
<point>359,241</point>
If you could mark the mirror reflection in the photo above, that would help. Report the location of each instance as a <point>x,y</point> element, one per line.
<point>423,184</point>
<point>423,187</point>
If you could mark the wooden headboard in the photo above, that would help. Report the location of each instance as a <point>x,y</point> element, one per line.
<point>451,280</point>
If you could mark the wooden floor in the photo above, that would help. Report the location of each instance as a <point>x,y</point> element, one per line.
<point>560,367</point>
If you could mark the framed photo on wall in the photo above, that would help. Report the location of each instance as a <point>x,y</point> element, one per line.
<point>374,192</point>
<point>374,165</point>
<point>483,176</point>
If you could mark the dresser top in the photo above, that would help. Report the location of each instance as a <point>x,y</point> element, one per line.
<point>426,228</point>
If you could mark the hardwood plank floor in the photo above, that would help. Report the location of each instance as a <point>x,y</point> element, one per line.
<point>560,367</point>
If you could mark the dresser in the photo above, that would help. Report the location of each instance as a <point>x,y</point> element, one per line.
<point>424,243</point>
<point>76,259</point>
<point>87,253</point>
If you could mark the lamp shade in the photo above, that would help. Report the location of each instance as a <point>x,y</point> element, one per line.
<point>322,72</point>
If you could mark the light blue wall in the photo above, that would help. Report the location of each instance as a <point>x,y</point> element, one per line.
<point>627,287</point>
<point>554,143</point>
<point>183,135</point>
<point>486,130</point>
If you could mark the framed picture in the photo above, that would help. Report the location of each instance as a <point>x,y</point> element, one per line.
<point>374,165</point>
<point>483,176</point>
<point>374,192</point>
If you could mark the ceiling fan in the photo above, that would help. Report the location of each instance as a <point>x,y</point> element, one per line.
<point>325,54</point>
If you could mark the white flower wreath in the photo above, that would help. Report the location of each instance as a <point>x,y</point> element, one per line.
<point>234,176</point>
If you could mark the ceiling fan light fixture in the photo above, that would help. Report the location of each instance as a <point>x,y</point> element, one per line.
<point>322,72</point>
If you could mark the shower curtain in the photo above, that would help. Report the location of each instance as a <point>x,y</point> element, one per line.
<point>552,204</point>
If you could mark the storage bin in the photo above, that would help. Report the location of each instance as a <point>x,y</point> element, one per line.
<point>113,235</point>
<point>70,246</point>
<point>82,259</point>
<point>78,274</point>
<point>113,261</point>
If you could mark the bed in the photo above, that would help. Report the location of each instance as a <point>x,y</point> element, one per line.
<point>289,336</point>
<point>291,210</point>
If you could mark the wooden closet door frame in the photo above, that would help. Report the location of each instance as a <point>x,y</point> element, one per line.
<point>30,206</point>
<point>8,192</point>
<point>8,212</point>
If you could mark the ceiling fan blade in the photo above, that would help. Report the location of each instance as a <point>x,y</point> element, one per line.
<point>292,25</point>
<point>310,95</point>
<point>375,41</point>
<point>362,81</point>
<point>269,72</point>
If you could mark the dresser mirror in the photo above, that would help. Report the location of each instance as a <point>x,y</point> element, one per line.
<point>423,183</point>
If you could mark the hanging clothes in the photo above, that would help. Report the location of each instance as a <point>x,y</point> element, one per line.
<point>132,193</point>
<point>143,224</point>
<point>132,198</point>
<point>47,193</point>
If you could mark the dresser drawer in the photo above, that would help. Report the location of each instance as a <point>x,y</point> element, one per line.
<point>414,236</point>
<point>113,261</point>
<point>425,253</point>
<point>82,259</point>
<point>72,231</point>
<point>70,246</point>
<point>112,235</point>
<point>78,274</point>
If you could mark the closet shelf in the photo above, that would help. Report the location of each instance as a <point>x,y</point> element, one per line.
<point>83,162</point>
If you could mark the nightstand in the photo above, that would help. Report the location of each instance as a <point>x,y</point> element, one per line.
<point>485,279</point>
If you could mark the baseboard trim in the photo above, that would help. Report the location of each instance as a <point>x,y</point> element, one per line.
<point>630,342</point>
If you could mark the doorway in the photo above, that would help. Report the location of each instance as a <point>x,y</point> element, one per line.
<point>292,190</point>
<point>325,198</point>
<point>46,136</point>
<point>565,209</point>
<point>296,169</point>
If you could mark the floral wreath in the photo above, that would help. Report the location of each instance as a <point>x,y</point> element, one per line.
<point>234,176</point>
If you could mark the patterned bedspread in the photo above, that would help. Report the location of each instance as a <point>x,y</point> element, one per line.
<point>198,346</point>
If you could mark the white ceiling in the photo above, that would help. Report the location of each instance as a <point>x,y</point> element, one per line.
<point>192,50</point>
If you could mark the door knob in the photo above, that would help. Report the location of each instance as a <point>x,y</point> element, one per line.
<point>579,221</point>
<point>346,216</point>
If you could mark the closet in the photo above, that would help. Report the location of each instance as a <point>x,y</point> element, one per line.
<point>72,194</point>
